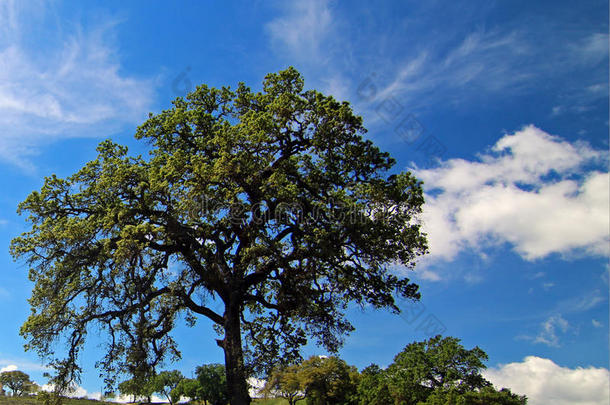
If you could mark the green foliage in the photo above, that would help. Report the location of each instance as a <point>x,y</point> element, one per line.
<point>373,388</point>
<point>486,396</point>
<point>165,382</point>
<point>286,382</point>
<point>320,381</point>
<point>18,382</point>
<point>213,382</point>
<point>437,363</point>
<point>269,202</point>
<point>50,398</point>
<point>188,388</point>
<point>138,387</point>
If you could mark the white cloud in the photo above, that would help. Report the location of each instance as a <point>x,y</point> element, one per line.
<point>593,49</point>
<point>545,382</point>
<point>428,275</point>
<point>530,191</point>
<point>550,328</point>
<point>548,286</point>
<point>10,367</point>
<point>302,27</point>
<point>71,85</point>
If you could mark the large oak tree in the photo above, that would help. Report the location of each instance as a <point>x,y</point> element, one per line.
<point>265,212</point>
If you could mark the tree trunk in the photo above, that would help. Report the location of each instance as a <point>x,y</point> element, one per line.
<point>237,386</point>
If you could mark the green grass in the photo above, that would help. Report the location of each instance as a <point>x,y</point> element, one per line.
<point>271,401</point>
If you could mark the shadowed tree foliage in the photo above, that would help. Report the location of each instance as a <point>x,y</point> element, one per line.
<point>373,388</point>
<point>485,396</point>
<point>265,212</point>
<point>187,388</point>
<point>213,382</point>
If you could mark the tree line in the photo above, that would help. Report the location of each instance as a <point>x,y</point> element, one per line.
<point>437,371</point>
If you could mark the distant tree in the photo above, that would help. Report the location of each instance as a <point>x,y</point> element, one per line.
<point>373,387</point>
<point>297,217</point>
<point>166,381</point>
<point>18,382</point>
<point>138,388</point>
<point>437,363</point>
<point>484,396</point>
<point>329,380</point>
<point>187,388</point>
<point>285,382</point>
<point>318,380</point>
<point>213,381</point>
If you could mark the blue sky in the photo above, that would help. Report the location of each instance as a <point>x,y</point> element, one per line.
<point>501,107</point>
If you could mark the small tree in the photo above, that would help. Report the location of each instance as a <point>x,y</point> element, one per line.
<point>213,381</point>
<point>18,382</point>
<point>165,382</point>
<point>437,363</point>
<point>138,388</point>
<point>329,380</point>
<point>187,388</point>
<point>319,380</point>
<point>285,382</point>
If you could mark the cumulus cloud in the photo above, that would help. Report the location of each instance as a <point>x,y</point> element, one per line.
<point>71,85</point>
<point>545,382</point>
<point>10,367</point>
<point>532,190</point>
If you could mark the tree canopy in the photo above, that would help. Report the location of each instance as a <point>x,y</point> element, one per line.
<point>265,212</point>
<point>188,388</point>
<point>484,396</point>
<point>213,382</point>
<point>318,380</point>
<point>17,381</point>
<point>165,382</point>
<point>436,363</point>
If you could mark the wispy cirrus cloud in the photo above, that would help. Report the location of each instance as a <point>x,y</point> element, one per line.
<point>550,330</point>
<point>302,27</point>
<point>500,63</point>
<point>69,85</point>
<point>475,62</point>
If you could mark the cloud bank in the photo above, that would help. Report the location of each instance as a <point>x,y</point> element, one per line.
<point>534,191</point>
<point>545,382</point>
